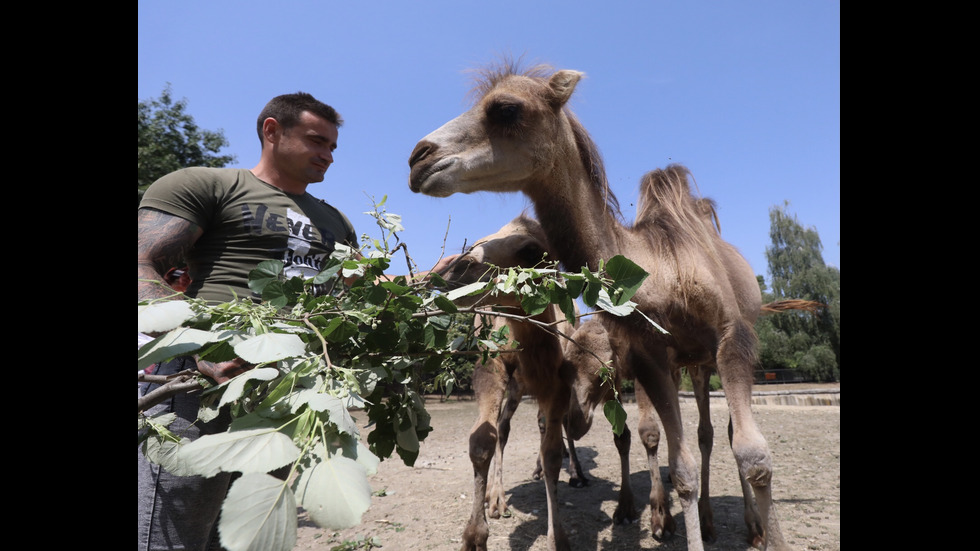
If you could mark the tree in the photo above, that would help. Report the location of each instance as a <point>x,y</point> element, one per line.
<point>800,340</point>
<point>169,139</point>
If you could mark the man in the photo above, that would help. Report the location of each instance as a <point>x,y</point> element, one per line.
<point>223,222</point>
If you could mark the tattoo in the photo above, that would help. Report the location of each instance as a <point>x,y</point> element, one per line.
<point>161,243</point>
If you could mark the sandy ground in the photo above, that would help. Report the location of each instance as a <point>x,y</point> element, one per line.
<point>425,507</point>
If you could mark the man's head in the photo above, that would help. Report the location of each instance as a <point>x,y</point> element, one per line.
<point>299,135</point>
<point>287,108</point>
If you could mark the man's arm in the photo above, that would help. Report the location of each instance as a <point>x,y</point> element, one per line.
<point>162,240</point>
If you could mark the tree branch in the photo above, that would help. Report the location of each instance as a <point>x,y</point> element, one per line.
<point>184,382</point>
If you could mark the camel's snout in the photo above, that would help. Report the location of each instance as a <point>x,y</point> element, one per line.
<point>419,162</point>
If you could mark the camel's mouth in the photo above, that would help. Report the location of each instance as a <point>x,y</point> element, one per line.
<point>430,178</point>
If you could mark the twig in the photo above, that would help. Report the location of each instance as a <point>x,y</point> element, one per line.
<point>185,381</point>
<point>323,342</point>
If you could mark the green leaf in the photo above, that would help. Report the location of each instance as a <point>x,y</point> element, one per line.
<point>627,278</point>
<point>277,294</point>
<point>604,302</point>
<point>266,272</point>
<point>534,304</point>
<point>444,304</point>
<point>164,452</point>
<point>592,288</point>
<point>334,492</point>
<point>247,451</point>
<point>179,342</point>
<point>162,316</point>
<point>328,273</point>
<point>270,347</point>
<point>408,439</point>
<point>336,409</point>
<point>616,415</point>
<point>236,387</point>
<point>258,514</point>
<point>466,290</point>
<point>575,284</point>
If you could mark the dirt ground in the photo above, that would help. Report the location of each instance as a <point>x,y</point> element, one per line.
<point>425,507</point>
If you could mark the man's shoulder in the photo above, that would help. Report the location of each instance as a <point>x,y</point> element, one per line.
<point>209,173</point>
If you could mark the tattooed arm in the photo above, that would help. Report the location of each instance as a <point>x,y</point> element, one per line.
<point>162,239</point>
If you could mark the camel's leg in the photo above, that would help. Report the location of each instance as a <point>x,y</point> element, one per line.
<point>753,518</point>
<point>752,455</point>
<point>654,376</point>
<point>489,389</point>
<point>538,470</point>
<point>626,509</point>
<point>662,524</point>
<point>576,478</point>
<point>538,473</point>
<point>496,495</point>
<point>553,408</point>
<point>700,377</point>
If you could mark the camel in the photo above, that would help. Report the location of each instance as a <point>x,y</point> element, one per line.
<point>499,385</point>
<point>500,382</point>
<point>585,352</point>
<point>520,136</point>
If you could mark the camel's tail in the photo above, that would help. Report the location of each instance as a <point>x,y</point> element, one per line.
<point>792,304</point>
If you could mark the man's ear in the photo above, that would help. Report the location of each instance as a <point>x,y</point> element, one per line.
<point>271,130</point>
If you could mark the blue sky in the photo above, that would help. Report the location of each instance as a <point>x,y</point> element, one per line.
<point>745,94</point>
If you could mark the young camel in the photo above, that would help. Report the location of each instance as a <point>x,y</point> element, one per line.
<point>500,383</point>
<point>520,137</point>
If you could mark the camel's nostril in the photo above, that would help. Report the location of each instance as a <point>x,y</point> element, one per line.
<point>422,149</point>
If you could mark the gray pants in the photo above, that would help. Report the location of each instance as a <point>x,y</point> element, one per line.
<point>180,512</point>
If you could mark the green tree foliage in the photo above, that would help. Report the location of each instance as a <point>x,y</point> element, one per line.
<point>169,139</point>
<point>800,340</point>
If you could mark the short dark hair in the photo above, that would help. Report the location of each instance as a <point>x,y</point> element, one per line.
<point>287,108</point>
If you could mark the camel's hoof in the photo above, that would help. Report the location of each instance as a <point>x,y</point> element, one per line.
<point>625,515</point>
<point>755,538</point>
<point>707,525</point>
<point>498,509</point>
<point>578,482</point>
<point>664,530</point>
<point>475,538</point>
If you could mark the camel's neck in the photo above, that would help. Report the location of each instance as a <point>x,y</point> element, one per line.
<point>577,221</point>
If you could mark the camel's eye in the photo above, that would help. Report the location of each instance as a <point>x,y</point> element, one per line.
<point>504,113</point>
<point>530,255</point>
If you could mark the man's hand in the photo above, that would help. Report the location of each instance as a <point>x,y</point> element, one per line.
<point>222,371</point>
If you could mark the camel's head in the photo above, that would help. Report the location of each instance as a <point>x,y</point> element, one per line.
<point>583,360</point>
<point>520,243</point>
<point>510,138</point>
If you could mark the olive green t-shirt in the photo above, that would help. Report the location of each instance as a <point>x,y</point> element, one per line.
<point>246,221</point>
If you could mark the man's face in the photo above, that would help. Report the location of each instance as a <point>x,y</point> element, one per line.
<point>305,151</point>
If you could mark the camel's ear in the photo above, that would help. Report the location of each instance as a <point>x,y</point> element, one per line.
<point>563,84</point>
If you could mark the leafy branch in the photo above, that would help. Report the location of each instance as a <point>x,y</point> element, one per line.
<point>322,349</point>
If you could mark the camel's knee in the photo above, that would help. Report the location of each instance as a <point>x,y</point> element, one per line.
<point>758,474</point>
<point>483,443</point>
<point>684,476</point>
<point>649,433</point>
<point>754,460</point>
